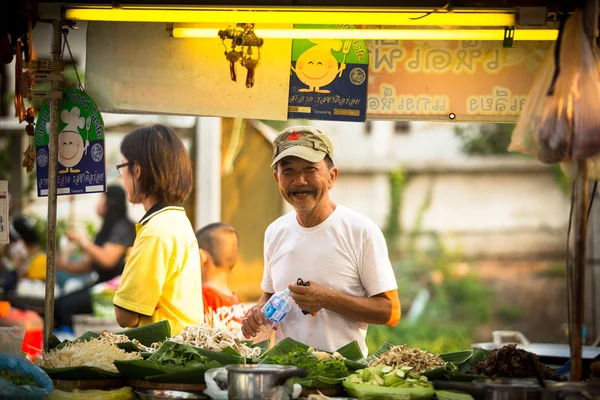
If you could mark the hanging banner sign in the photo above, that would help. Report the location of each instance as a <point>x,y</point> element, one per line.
<point>4,225</point>
<point>135,67</point>
<point>81,161</point>
<point>478,81</point>
<point>329,78</point>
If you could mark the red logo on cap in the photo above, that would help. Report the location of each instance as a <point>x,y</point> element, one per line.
<point>295,136</point>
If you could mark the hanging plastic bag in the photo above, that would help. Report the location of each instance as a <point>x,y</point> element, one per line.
<point>559,122</point>
<point>17,377</point>
<point>586,97</point>
<point>525,138</point>
<point>11,340</point>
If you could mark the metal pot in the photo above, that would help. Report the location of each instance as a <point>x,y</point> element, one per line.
<point>261,381</point>
<point>495,389</point>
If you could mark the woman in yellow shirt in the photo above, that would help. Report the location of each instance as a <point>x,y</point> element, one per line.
<point>162,278</point>
<point>33,263</point>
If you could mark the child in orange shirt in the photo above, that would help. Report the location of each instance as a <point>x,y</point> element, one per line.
<point>218,244</point>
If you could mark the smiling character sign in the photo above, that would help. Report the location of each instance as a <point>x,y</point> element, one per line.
<point>70,142</point>
<point>81,162</point>
<point>317,67</point>
<point>328,78</point>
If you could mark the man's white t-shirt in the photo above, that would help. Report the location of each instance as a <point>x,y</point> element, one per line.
<point>347,253</point>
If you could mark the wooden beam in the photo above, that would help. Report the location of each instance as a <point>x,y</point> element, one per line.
<point>479,4</point>
<point>52,195</point>
<point>581,198</point>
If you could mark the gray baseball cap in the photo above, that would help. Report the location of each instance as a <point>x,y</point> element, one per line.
<point>305,142</point>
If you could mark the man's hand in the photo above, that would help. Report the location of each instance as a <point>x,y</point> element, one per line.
<point>252,321</point>
<point>310,298</point>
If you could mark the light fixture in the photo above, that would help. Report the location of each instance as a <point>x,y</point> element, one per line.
<point>315,16</point>
<point>380,34</point>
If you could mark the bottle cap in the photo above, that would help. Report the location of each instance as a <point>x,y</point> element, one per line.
<point>287,291</point>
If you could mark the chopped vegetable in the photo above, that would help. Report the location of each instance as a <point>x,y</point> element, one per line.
<point>396,377</point>
<point>181,356</point>
<point>301,358</point>
<point>405,356</point>
<point>17,379</point>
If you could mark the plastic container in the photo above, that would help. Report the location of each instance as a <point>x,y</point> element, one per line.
<point>33,341</point>
<point>273,312</point>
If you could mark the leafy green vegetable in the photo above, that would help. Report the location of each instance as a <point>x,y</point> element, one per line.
<point>301,358</point>
<point>181,356</point>
<point>17,379</point>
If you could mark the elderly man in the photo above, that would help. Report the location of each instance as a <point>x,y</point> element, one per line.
<point>342,254</point>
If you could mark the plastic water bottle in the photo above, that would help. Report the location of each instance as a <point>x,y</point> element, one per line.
<point>273,312</point>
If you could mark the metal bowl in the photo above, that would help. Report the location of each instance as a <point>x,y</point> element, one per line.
<point>166,394</point>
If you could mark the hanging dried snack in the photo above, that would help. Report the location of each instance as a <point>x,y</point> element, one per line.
<point>243,41</point>
<point>29,158</point>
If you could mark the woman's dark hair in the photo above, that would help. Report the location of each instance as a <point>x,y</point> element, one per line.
<point>166,169</point>
<point>116,210</point>
<point>23,227</point>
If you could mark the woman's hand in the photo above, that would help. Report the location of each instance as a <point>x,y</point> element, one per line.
<point>78,238</point>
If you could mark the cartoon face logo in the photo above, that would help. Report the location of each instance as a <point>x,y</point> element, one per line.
<point>317,66</point>
<point>70,142</point>
<point>70,148</point>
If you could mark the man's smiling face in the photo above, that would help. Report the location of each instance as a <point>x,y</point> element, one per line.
<point>303,184</point>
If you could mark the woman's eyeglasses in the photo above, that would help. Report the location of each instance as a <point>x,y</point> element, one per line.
<point>121,166</point>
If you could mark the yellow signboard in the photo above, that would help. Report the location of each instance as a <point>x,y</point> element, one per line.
<point>451,80</point>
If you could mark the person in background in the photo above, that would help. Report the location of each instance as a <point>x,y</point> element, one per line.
<point>28,256</point>
<point>14,254</point>
<point>162,274</point>
<point>105,255</point>
<point>219,244</point>
<point>342,254</point>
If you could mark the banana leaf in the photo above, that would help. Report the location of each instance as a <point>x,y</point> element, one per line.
<point>138,369</point>
<point>354,365</point>
<point>89,335</point>
<point>283,347</point>
<point>128,347</point>
<point>457,357</point>
<point>440,372</point>
<point>351,351</point>
<point>384,348</point>
<point>319,382</point>
<point>148,334</point>
<point>371,392</point>
<point>478,356</point>
<point>193,374</point>
<point>460,375</point>
<point>448,395</point>
<point>79,373</point>
<point>53,342</point>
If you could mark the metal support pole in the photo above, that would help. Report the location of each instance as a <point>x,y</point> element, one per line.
<point>52,183</point>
